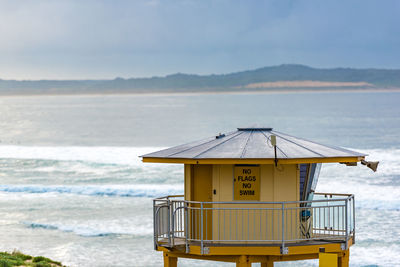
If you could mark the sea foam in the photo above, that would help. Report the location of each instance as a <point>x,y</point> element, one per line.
<point>380,190</point>
<point>98,154</point>
<point>100,229</point>
<point>140,190</point>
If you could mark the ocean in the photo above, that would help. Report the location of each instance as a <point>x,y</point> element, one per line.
<point>73,188</point>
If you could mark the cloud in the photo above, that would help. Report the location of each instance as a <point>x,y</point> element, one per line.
<point>104,38</point>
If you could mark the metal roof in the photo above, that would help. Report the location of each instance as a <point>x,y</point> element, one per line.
<point>253,143</point>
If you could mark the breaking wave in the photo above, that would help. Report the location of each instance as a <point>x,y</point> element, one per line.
<point>98,154</point>
<point>87,231</point>
<point>141,190</point>
<point>119,172</point>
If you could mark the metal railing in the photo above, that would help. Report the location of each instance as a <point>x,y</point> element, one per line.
<point>329,217</point>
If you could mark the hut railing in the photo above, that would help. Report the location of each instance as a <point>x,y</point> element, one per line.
<point>328,217</point>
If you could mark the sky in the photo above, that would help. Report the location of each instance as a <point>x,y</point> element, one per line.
<point>104,39</point>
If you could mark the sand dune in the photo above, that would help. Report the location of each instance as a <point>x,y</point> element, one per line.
<point>306,84</point>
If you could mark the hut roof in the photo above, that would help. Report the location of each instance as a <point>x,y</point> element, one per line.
<point>252,144</point>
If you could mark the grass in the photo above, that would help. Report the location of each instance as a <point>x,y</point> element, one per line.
<point>17,258</point>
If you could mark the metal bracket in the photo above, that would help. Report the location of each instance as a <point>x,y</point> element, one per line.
<point>343,246</point>
<point>284,250</point>
<point>205,250</point>
<point>188,248</point>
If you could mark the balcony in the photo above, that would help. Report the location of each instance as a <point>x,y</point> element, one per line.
<point>180,224</point>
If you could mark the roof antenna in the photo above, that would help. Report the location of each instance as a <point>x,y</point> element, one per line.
<point>273,142</point>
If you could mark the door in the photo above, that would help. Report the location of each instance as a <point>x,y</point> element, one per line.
<point>202,191</point>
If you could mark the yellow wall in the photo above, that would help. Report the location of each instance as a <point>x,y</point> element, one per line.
<point>188,181</point>
<point>286,183</point>
<point>277,184</point>
<point>267,183</point>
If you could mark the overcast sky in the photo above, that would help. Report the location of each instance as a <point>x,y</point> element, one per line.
<point>78,39</point>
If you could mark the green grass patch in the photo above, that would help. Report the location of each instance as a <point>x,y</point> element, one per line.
<point>41,259</point>
<point>17,258</point>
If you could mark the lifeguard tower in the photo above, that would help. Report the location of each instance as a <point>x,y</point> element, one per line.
<point>249,196</point>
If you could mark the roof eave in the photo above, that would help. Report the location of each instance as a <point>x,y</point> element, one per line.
<point>252,161</point>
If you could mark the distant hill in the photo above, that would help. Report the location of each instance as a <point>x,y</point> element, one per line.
<point>288,76</point>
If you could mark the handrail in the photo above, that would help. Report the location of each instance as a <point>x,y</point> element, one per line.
<point>156,226</point>
<point>329,219</point>
<point>168,197</point>
<point>260,202</point>
<point>347,196</point>
<point>333,194</point>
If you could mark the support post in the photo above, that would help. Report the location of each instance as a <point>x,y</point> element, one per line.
<point>328,259</point>
<point>344,259</point>
<point>243,261</point>
<point>170,261</point>
<point>268,263</point>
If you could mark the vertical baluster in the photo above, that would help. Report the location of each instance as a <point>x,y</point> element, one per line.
<point>186,228</point>
<point>221,226</point>
<point>194,223</point>
<point>206,224</point>
<point>201,227</point>
<point>273,224</point>
<point>230,224</point>
<point>314,221</point>
<point>236,236</point>
<point>337,221</point>
<point>242,235</point>
<point>320,217</point>
<point>325,220</point>
<point>248,224</point>
<point>343,224</point>
<point>354,219</point>
<point>266,224</point>
<point>224,225</point>
<point>254,224</point>
<point>260,216</point>
<point>283,226</point>
<point>347,233</point>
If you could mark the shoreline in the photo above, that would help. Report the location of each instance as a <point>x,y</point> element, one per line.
<point>211,92</point>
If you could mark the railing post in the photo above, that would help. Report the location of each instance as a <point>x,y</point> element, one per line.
<point>283,249</point>
<point>186,227</point>
<point>201,227</point>
<point>347,221</point>
<point>354,219</point>
<point>169,222</point>
<point>154,225</point>
<point>172,223</point>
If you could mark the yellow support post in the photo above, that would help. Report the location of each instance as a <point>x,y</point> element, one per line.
<point>170,261</point>
<point>344,259</point>
<point>243,261</point>
<point>328,260</point>
<point>268,263</point>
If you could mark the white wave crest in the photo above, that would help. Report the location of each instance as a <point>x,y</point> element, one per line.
<point>98,154</point>
<point>140,190</point>
<point>95,230</point>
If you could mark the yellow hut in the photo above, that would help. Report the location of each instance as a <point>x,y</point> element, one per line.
<point>249,196</point>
